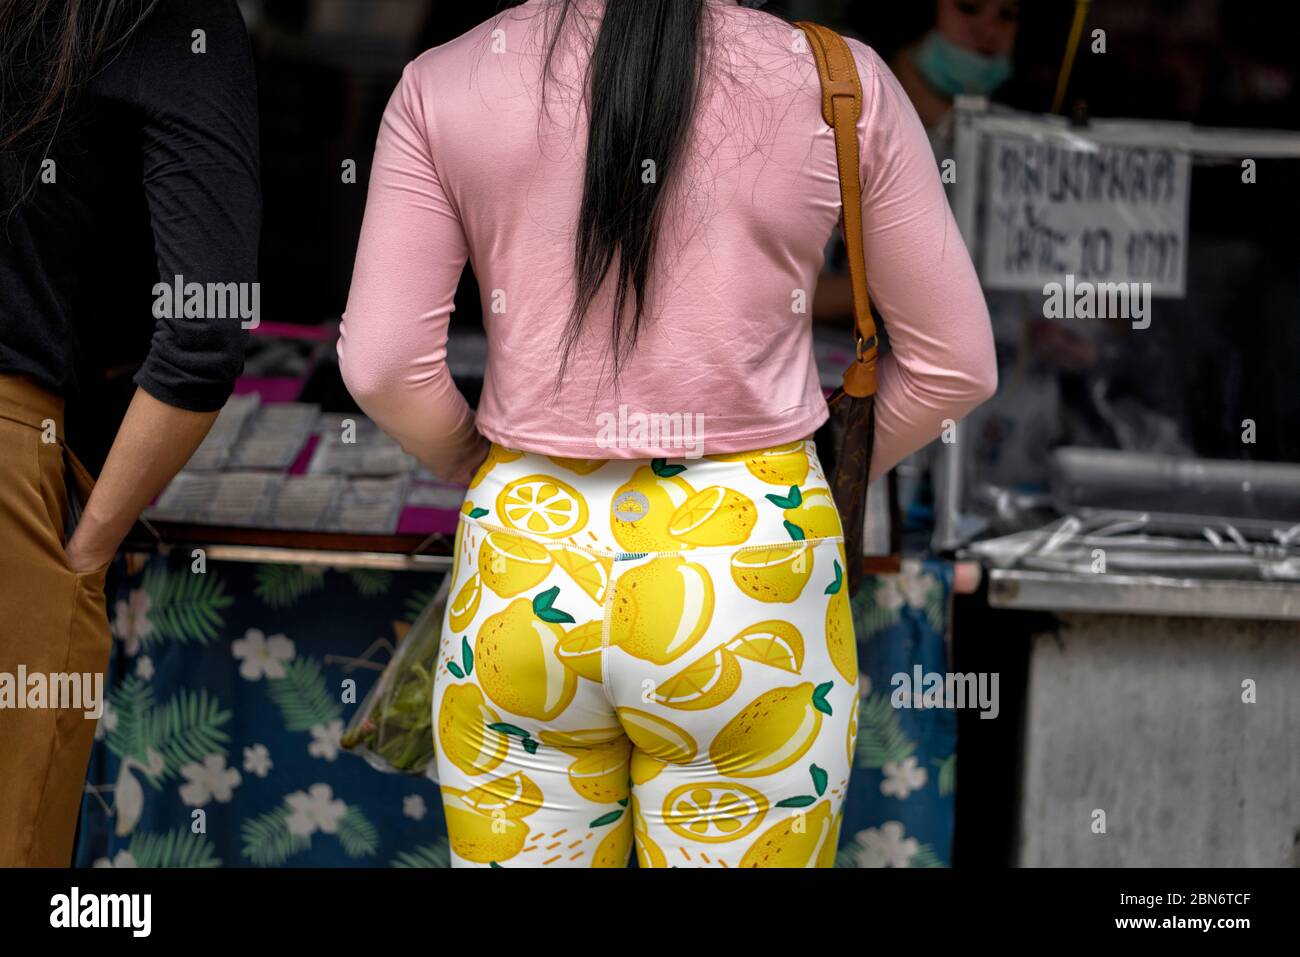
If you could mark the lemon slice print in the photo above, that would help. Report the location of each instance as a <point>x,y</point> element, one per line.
<point>581,650</point>
<point>591,572</point>
<point>775,574</point>
<point>714,812</point>
<point>705,683</point>
<point>510,564</point>
<point>542,505</point>
<point>775,643</point>
<point>714,516</point>
<point>771,732</point>
<point>465,604</point>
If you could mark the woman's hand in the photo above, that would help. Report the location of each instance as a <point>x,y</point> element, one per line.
<point>85,556</point>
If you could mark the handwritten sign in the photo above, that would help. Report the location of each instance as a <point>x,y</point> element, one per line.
<point>1061,205</point>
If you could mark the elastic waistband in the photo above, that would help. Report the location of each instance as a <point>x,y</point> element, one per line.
<point>25,401</point>
<point>773,496</point>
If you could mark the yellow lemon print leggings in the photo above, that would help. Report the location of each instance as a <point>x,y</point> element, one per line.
<point>656,654</point>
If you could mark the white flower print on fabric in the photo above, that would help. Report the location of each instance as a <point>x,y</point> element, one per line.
<point>315,809</point>
<point>413,806</point>
<point>326,740</point>
<point>910,588</point>
<point>257,760</point>
<point>208,781</point>
<point>884,846</point>
<point>261,657</point>
<point>131,619</point>
<point>902,778</point>
<point>144,667</point>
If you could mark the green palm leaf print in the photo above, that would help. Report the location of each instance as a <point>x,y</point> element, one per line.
<point>437,854</point>
<point>132,702</point>
<point>184,606</point>
<point>187,729</point>
<point>357,834</point>
<point>869,615</point>
<point>283,585</point>
<point>371,582</point>
<point>183,731</point>
<point>176,848</point>
<point>303,697</point>
<point>947,773</point>
<point>925,856</point>
<point>417,601</point>
<point>881,738</point>
<point>268,841</point>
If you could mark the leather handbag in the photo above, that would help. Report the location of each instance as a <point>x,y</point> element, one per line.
<point>845,441</point>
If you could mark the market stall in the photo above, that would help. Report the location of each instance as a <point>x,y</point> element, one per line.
<point>265,591</point>
<point>1138,478</point>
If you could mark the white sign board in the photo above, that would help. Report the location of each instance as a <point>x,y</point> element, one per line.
<point>1057,204</point>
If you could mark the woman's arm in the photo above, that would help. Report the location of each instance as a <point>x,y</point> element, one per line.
<point>942,363</point>
<point>393,340</point>
<point>199,162</point>
<point>152,445</point>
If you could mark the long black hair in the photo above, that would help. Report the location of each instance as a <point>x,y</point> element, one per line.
<point>642,84</point>
<point>49,51</point>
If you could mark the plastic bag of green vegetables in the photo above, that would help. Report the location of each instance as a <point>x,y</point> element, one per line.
<point>393,728</point>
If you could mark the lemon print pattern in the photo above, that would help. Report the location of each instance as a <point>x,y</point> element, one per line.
<point>649,661</point>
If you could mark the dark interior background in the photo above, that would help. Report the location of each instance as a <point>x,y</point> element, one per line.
<point>1230,350</point>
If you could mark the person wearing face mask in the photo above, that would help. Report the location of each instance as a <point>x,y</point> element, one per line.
<point>968,50</point>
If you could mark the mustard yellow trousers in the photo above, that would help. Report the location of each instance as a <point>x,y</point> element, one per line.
<point>53,625</point>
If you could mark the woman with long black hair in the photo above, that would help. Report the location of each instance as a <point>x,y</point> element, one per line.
<point>648,636</point>
<point>128,170</point>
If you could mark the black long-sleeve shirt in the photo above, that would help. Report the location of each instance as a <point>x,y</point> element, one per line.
<point>155,177</point>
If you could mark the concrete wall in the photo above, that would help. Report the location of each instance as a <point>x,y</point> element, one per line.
<point>1143,718</point>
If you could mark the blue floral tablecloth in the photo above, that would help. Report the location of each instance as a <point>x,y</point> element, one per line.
<point>219,745</point>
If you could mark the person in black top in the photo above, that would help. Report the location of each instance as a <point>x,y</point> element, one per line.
<point>129,206</point>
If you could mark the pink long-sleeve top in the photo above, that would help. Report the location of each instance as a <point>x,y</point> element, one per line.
<point>470,165</point>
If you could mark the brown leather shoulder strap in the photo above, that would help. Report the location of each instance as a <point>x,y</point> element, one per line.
<point>841,106</point>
